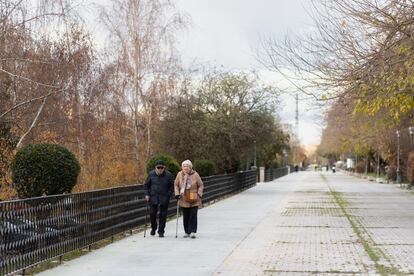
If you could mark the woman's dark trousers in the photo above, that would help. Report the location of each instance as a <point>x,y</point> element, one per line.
<point>190,219</point>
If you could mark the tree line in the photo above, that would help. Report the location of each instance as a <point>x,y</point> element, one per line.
<point>359,60</point>
<point>116,105</point>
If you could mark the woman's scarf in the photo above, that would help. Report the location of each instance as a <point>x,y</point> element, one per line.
<point>186,182</point>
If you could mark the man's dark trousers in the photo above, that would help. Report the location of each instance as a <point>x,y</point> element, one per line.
<point>162,217</point>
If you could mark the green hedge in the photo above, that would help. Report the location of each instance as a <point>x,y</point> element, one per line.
<point>44,169</point>
<point>172,165</point>
<point>204,167</point>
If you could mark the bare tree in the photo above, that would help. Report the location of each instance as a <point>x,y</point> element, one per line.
<point>353,41</point>
<point>359,59</point>
<point>23,35</point>
<point>142,37</point>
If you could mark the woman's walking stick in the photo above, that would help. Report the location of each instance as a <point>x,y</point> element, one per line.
<point>176,223</point>
<point>146,217</point>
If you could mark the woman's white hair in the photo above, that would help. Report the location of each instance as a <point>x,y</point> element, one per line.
<point>187,163</point>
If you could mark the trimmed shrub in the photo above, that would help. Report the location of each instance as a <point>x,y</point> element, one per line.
<point>44,169</point>
<point>204,167</point>
<point>172,165</point>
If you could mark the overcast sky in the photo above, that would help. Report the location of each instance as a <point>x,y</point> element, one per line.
<point>227,33</point>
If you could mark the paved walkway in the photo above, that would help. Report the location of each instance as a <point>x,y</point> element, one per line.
<point>307,223</point>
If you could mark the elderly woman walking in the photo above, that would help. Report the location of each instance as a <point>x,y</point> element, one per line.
<point>188,188</point>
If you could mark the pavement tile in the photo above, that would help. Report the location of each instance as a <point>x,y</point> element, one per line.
<point>401,256</point>
<point>308,221</point>
<point>389,222</point>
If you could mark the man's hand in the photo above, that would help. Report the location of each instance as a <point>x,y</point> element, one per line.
<point>147,198</point>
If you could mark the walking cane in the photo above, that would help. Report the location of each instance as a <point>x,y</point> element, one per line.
<point>176,223</point>
<point>146,217</point>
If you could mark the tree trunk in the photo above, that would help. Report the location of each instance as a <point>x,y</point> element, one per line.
<point>80,125</point>
<point>149,140</point>
<point>137,141</point>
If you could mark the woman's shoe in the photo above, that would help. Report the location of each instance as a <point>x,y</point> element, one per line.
<point>186,235</point>
<point>193,235</point>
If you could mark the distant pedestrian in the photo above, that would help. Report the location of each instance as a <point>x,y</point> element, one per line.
<point>158,188</point>
<point>189,191</point>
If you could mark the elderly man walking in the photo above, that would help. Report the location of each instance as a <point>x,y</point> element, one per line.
<point>158,188</point>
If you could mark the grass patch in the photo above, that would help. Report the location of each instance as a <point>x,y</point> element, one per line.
<point>385,270</point>
<point>375,175</point>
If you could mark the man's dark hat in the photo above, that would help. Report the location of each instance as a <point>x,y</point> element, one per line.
<point>159,163</point>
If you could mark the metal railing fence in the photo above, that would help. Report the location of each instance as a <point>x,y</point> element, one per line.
<point>273,173</point>
<point>37,229</point>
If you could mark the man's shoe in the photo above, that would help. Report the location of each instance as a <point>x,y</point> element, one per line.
<point>152,232</point>
<point>193,235</point>
<point>161,235</point>
<point>186,235</point>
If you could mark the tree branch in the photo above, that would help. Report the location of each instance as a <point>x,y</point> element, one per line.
<point>19,144</point>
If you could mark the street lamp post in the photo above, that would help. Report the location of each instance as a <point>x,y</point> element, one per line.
<point>398,157</point>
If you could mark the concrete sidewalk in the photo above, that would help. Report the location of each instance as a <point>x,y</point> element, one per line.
<point>307,223</point>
